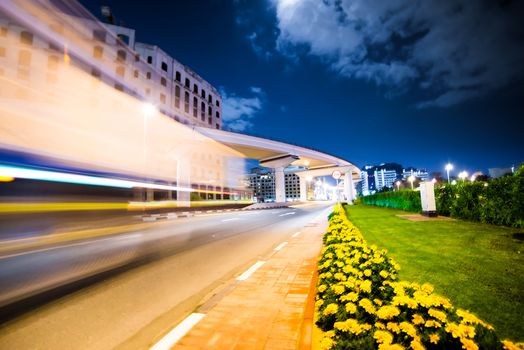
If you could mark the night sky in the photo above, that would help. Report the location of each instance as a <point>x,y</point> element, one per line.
<point>420,83</point>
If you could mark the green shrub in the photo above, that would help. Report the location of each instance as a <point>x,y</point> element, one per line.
<point>405,199</point>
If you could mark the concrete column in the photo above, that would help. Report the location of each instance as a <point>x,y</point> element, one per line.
<point>150,195</point>
<point>280,185</point>
<point>303,188</point>
<point>183,179</point>
<point>348,187</point>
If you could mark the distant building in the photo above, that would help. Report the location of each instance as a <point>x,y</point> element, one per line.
<point>262,183</point>
<point>499,172</point>
<point>385,178</point>
<point>420,174</point>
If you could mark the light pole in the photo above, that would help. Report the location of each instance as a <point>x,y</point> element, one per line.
<point>448,168</point>
<point>148,110</point>
<point>411,178</point>
<point>398,185</point>
<point>463,175</point>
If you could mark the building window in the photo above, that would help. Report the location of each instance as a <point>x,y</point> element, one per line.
<point>217,103</point>
<point>148,75</point>
<point>203,111</point>
<point>121,56</point>
<point>149,59</point>
<point>54,47</point>
<point>164,66</point>
<point>26,38</point>
<point>177,76</point>
<point>209,110</point>
<point>123,39</point>
<point>163,81</point>
<point>188,83</point>
<point>163,98</point>
<point>195,89</point>
<point>217,126</point>
<point>137,57</point>
<point>2,51</point>
<point>98,52</point>
<point>186,102</point>
<point>135,73</point>
<point>120,71</point>
<point>203,94</point>
<point>24,58</point>
<point>119,87</point>
<point>210,98</point>
<point>99,35</point>
<point>217,115</point>
<point>209,121</point>
<point>195,107</point>
<point>177,96</point>
<point>52,62</point>
<point>96,73</point>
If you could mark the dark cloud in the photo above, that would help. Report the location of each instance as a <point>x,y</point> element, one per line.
<point>451,51</point>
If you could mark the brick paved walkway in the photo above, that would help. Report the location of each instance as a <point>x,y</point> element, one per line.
<point>267,310</point>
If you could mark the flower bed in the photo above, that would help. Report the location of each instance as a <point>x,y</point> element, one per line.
<point>360,303</point>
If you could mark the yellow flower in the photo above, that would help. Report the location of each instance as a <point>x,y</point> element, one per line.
<point>384,274</point>
<point>365,286</point>
<point>416,345</point>
<point>330,309</point>
<point>508,345</point>
<point>338,289</point>
<point>380,325</point>
<point>327,343</point>
<point>387,312</point>
<point>393,327</point>
<point>408,328</point>
<point>431,323</point>
<point>322,288</point>
<point>383,337</point>
<point>434,338</point>
<point>367,305</point>
<point>469,344</point>
<point>377,301</point>
<point>351,308</point>
<point>350,297</point>
<point>367,272</point>
<point>319,303</point>
<point>439,315</point>
<point>390,347</point>
<point>417,319</point>
<point>352,326</point>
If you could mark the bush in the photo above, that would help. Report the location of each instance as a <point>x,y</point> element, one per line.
<point>360,304</point>
<point>499,201</point>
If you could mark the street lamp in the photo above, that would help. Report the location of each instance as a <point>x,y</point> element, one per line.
<point>448,168</point>
<point>463,175</point>
<point>398,185</point>
<point>411,178</point>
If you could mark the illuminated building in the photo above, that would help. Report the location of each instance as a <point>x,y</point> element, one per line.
<point>262,183</point>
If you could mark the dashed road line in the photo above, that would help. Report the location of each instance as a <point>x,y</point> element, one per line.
<point>292,213</point>
<point>296,234</point>
<point>280,246</point>
<point>250,271</point>
<point>178,332</point>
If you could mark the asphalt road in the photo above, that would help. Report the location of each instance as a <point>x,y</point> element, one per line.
<point>194,258</point>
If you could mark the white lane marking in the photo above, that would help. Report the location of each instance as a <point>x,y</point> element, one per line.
<point>178,332</point>
<point>70,245</point>
<point>296,234</point>
<point>292,213</point>
<point>250,271</point>
<point>280,246</point>
<point>232,219</point>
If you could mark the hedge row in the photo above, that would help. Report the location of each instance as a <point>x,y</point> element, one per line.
<point>499,201</point>
<point>360,304</point>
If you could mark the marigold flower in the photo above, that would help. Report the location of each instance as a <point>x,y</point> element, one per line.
<point>388,312</point>
<point>468,344</point>
<point>367,272</point>
<point>439,315</point>
<point>351,308</point>
<point>338,289</point>
<point>509,345</point>
<point>416,345</point>
<point>392,326</point>
<point>322,288</point>
<point>331,309</point>
<point>383,337</point>
<point>327,343</point>
<point>367,305</point>
<point>417,319</point>
<point>384,274</point>
<point>408,328</point>
<point>434,338</point>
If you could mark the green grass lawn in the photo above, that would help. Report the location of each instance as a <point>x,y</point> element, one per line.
<point>478,267</point>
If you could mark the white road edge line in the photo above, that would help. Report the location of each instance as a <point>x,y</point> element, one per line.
<point>178,332</point>
<point>292,213</point>
<point>296,234</point>
<point>280,246</point>
<point>250,271</point>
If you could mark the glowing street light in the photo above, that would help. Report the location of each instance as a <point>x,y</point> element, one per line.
<point>463,175</point>
<point>434,181</point>
<point>398,185</point>
<point>411,179</point>
<point>448,168</point>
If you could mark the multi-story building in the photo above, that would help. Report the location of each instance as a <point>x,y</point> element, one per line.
<point>420,174</point>
<point>262,183</point>
<point>385,178</point>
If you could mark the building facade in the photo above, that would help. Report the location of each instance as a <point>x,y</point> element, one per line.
<point>262,183</point>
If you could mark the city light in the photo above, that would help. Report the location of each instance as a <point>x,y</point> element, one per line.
<point>448,168</point>
<point>148,109</point>
<point>434,181</point>
<point>398,185</point>
<point>411,179</point>
<point>463,175</point>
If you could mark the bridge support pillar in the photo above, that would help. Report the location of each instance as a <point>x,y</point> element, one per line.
<point>349,187</point>
<point>280,185</point>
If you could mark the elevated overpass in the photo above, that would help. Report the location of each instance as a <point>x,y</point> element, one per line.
<point>278,155</point>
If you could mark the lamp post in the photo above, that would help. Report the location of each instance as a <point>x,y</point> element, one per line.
<point>463,175</point>
<point>411,179</point>
<point>448,168</point>
<point>148,110</point>
<point>398,185</point>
